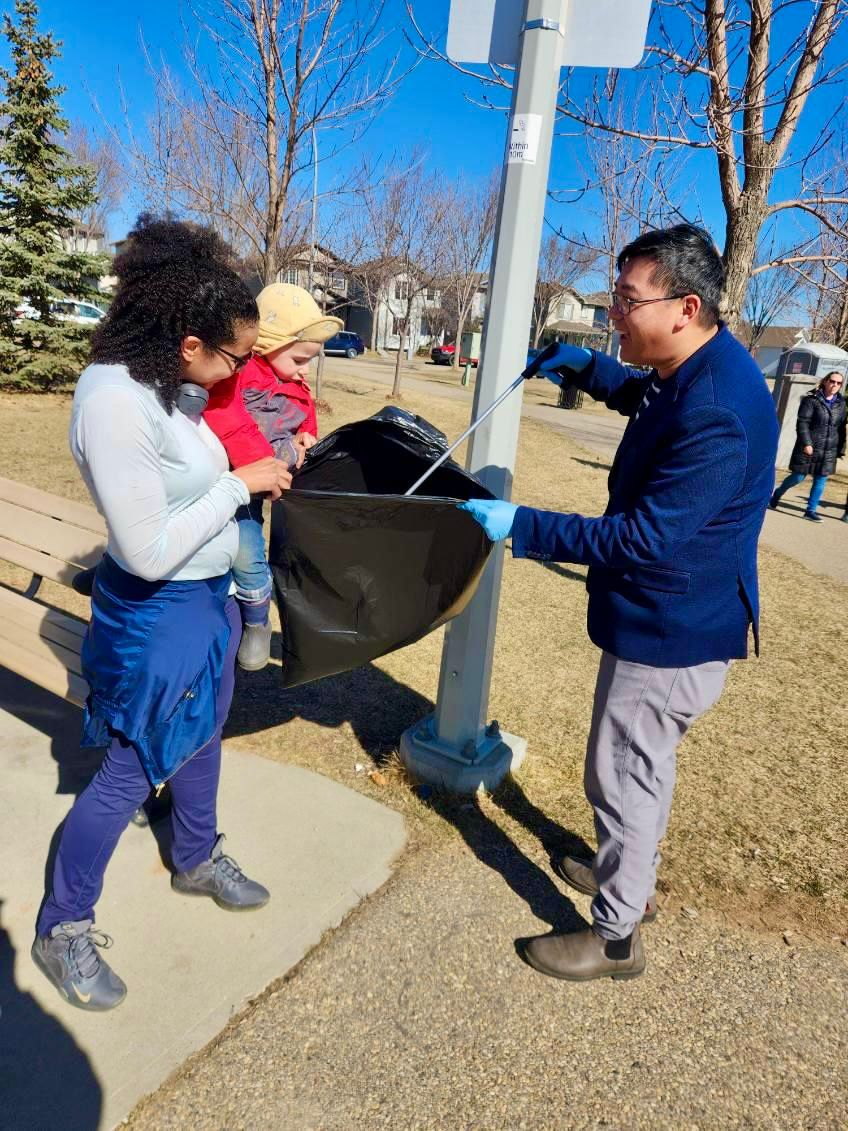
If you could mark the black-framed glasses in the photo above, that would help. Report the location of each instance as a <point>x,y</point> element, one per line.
<point>238,362</point>
<point>624,305</point>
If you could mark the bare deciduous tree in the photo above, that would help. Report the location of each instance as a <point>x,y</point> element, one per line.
<point>110,176</point>
<point>469,227</point>
<point>733,80</point>
<point>769,295</point>
<point>561,267</point>
<point>232,142</point>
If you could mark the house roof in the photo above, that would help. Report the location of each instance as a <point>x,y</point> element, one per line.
<point>567,326</point>
<point>773,337</point>
<point>598,298</point>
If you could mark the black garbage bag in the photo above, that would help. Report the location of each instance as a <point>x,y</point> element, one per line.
<point>359,570</point>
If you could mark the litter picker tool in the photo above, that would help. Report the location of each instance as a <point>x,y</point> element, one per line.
<point>445,455</point>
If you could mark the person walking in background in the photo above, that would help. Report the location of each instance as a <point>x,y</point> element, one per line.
<point>159,652</point>
<point>821,441</point>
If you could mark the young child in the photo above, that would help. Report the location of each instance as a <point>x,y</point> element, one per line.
<point>266,409</point>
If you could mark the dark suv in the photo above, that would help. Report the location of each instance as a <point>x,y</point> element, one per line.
<point>345,342</point>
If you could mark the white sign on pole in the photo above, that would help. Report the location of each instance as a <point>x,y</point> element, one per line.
<point>598,33</point>
<point>525,131</point>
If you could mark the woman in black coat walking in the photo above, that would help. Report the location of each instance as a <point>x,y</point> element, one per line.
<point>821,441</point>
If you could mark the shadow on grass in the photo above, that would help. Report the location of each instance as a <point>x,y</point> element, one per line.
<point>596,464</point>
<point>377,707</point>
<point>564,571</point>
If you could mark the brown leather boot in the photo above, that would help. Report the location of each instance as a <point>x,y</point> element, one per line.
<point>582,956</point>
<point>578,874</point>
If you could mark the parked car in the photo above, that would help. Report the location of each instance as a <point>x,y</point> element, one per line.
<point>345,342</point>
<point>83,313</point>
<point>65,310</point>
<point>443,355</point>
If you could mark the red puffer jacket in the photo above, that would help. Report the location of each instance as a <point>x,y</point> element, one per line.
<point>231,422</point>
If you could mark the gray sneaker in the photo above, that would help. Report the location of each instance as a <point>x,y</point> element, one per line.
<point>221,878</point>
<point>68,958</point>
<point>255,648</point>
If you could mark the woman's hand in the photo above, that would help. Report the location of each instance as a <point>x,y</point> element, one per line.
<point>267,476</point>
<point>808,450</point>
<point>307,439</point>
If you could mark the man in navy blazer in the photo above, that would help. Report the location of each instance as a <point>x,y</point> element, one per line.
<point>673,567</point>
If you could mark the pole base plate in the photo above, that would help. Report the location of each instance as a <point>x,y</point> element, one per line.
<point>464,771</point>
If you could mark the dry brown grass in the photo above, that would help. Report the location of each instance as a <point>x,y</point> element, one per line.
<point>758,831</point>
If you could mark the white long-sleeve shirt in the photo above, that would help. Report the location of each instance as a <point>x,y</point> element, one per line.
<point>161,482</point>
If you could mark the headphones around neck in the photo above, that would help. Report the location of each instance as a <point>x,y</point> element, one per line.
<point>192,399</point>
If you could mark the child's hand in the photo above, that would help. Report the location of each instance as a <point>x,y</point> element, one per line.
<point>307,439</point>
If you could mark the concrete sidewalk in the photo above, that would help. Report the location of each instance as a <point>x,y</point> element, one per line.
<point>320,848</point>
<point>420,1015</point>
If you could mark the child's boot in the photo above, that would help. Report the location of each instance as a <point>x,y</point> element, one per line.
<point>255,648</point>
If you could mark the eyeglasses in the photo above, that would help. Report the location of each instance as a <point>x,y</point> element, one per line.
<point>833,381</point>
<point>624,305</point>
<point>238,362</point>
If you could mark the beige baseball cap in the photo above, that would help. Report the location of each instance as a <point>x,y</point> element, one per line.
<point>290,314</point>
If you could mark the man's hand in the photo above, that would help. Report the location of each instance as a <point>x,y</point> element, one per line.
<point>808,450</point>
<point>557,361</point>
<point>494,515</point>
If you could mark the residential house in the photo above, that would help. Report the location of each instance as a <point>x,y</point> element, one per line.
<point>379,294</point>
<point>320,271</point>
<point>577,318</point>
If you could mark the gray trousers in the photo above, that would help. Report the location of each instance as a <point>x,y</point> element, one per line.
<point>639,716</point>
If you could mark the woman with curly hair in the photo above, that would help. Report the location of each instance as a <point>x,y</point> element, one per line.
<point>160,649</point>
<point>821,441</point>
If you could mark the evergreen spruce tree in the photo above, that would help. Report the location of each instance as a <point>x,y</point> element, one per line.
<point>40,191</point>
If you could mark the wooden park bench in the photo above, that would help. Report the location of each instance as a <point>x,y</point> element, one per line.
<point>51,538</point>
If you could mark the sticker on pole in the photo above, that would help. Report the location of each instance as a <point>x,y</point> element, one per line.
<point>524,133</point>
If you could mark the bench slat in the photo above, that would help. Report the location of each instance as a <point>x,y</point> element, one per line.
<point>21,618</point>
<point>40,532</point>
<point>47,669</point>
<point>47,650</point>
<point>33,499</point>
<point>45,565</point>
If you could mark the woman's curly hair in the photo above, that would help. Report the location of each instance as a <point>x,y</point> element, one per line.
<point>174,279</point>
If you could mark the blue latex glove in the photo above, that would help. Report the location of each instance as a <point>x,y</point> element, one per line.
<point>494,515</point>
<point>556,358</point>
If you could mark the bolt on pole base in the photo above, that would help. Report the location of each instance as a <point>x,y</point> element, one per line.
<point>471,770</point>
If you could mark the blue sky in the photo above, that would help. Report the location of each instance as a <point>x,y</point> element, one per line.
<point>101,47</point>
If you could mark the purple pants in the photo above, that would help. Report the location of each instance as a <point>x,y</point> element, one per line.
<point>103,810</point>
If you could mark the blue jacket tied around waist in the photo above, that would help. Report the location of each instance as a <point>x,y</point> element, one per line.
<point>153,658</point>
<point>673,561</point>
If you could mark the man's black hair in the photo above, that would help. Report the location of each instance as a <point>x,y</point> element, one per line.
<point>174,279</point>
<point>686,262</point>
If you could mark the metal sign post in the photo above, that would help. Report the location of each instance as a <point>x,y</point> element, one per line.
<point>456,747</point>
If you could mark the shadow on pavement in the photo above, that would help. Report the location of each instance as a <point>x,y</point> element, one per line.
<point>498,851</point>
<point>46,1080</point>
<point>61,723</point>
<point>58,721</point>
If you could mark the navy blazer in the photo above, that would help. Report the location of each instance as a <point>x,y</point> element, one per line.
<point>673,561</point>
